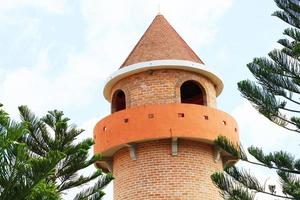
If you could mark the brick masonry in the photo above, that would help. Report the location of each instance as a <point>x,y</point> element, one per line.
<point>157,175</point>
<point>161,87</point>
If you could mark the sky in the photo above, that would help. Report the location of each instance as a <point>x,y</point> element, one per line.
<point>57,54</point>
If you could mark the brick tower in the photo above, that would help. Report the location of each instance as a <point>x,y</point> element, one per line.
<point>158,141</point>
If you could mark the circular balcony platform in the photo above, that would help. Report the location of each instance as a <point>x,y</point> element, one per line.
<point>154,122</point>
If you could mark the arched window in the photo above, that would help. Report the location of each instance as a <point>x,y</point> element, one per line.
<point>192,92</point>
<point>118,101</point>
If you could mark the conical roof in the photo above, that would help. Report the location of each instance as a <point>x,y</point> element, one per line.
<point>161,42</point>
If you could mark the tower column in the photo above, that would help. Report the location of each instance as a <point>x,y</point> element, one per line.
<point>158,139</point>
<point>156,174</point>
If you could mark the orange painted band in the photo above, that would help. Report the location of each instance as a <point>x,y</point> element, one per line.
<point>153,122</point>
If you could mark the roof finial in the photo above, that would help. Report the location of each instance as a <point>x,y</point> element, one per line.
<point>159,13</point>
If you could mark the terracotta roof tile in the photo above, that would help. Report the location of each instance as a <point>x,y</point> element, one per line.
<point>161,42</point>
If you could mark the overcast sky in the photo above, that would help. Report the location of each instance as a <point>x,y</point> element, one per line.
<point>56,54</point>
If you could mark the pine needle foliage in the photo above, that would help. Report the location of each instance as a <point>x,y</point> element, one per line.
<point>275,94</point>
<point>19,171</point>
<point>40,158</point>
<point>286,166</point>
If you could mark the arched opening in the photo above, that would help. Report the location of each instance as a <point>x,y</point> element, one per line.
<point>192,92</point>
<point>118,101</point>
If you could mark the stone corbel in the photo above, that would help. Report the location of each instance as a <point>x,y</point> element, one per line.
<point>217,154</point>
<point>174,146</point>
<point>132,151</point>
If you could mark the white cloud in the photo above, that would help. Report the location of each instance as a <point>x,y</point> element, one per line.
<point>196,20</point>
<point>257,130</point>
<point>57,6</point>
<point>37,88</point>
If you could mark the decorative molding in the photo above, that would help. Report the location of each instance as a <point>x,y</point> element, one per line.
<point>161,64</point>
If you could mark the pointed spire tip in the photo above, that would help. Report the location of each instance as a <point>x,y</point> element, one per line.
<point>159,10</point>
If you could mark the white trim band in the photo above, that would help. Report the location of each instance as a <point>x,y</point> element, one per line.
<point>161,64</point>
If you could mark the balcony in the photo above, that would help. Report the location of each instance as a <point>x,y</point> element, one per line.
<point>154,122</point>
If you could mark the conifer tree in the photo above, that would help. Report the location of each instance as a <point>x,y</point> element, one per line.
<point>275,94</point>
<point>40,159</point>
<point>21,173</point>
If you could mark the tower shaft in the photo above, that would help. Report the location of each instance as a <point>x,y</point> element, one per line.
<point>157,174</point>
<point>158,141</point>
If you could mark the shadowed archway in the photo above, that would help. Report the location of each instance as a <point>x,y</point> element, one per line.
<point>118,101</point>
<point>192,92</point>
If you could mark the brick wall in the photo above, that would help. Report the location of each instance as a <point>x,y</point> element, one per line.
<point>157,175</point>
<point>161,87</point>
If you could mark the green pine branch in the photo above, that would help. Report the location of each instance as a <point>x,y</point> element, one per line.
<point>240,184</point>
<point>95,192</point>
<point>39,157</point>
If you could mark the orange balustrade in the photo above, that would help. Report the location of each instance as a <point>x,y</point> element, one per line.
<point>155,122</point>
